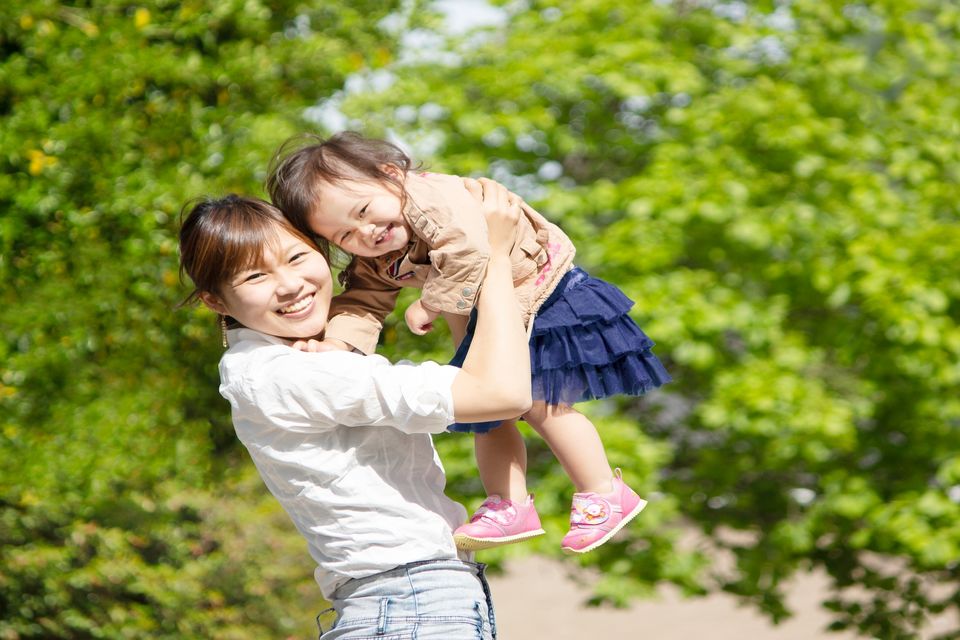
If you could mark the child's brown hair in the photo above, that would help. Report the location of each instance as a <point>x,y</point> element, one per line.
<point>303,162</point>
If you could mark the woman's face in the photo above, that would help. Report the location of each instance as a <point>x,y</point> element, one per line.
<point>286,295</point>
<point>361,217</point>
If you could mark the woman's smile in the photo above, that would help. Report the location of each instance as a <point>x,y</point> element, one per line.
<point>287,293</point>
<point>300,308</point>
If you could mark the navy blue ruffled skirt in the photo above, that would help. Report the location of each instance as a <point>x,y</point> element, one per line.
<point>584,345</point>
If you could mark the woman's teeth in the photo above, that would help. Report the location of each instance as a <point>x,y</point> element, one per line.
<point>298,306</point>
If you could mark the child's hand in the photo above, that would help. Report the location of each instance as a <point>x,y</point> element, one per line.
<point>316,346</point>
<point>419,318</point>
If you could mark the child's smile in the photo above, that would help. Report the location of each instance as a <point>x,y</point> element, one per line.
<point>361,217</point>
<point>386,235</point>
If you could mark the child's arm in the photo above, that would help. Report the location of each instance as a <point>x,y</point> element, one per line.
<point>420,318</point>
<point>458,327</point>
<point>356,315</point>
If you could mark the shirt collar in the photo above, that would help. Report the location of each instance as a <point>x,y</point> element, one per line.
<point>242,334</point>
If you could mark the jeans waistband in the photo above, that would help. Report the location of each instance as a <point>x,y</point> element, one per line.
<point>410,568</point>
<point>349,588</point>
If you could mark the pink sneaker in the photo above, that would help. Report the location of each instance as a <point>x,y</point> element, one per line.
<point>597,517</point>
<point>499,521</point>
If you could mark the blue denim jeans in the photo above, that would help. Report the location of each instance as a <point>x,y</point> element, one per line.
<point>429,600</point>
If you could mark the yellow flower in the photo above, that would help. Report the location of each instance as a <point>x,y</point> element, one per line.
<point>39,161</point>
<point>141,18</point>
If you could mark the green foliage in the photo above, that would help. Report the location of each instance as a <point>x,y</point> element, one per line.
<point>174,563</point>
<point>776,185</point>
<point>114,440</point>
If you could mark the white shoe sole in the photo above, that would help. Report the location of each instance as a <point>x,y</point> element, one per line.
<point>469,543</point>
<point>620,525</point>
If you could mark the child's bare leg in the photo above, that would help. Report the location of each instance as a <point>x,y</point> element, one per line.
<point>603,503</point>
<point>511,517</point>
<point>576,444</point>
<point>502,461</point>
<point>501,453</point>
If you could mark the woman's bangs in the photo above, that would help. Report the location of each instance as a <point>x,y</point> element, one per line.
<point>246,242</point>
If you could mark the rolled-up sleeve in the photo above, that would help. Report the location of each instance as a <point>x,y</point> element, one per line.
<point>301,391</point>
<point>356,315</point>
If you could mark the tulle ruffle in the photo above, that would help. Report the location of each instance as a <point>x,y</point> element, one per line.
<point>584,345</point>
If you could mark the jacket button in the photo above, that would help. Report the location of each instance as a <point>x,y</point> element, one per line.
<point>467,292</point>
<point>461,304</point>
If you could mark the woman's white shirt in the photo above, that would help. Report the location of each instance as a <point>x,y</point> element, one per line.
<point>342,440</point>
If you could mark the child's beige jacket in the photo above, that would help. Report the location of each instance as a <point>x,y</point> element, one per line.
<point>446,258</point>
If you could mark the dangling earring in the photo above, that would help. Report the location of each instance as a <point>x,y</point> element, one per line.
<point>223,330</point>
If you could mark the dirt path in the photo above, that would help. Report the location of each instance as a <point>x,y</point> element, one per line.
<point>536,599</point>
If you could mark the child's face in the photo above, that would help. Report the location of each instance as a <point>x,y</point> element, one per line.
<point>286,295</point>
<point>361,217</point>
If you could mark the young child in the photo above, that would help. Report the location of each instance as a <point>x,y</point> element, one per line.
<point>343,439</point>
<point>410,229</point>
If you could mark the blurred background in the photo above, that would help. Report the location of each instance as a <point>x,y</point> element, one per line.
<point>775,183</point>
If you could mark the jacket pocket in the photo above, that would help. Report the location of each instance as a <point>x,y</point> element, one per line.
<point>527,258</point>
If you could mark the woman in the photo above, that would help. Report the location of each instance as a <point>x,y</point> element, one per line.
<point>342,439</point>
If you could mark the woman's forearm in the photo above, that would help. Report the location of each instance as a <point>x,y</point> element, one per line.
<point>495,378</point>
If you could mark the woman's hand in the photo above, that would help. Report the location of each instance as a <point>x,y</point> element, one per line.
<point>502,209</point>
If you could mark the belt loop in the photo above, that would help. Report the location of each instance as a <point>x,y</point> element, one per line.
<point>319,624</point>
<point>382,616</point>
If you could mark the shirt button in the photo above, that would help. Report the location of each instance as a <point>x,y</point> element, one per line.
<point>461,304</point>
<point>467,292</point>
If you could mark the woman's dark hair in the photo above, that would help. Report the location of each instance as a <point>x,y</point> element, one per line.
<point>220,237</point>
<point>304,162</point>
